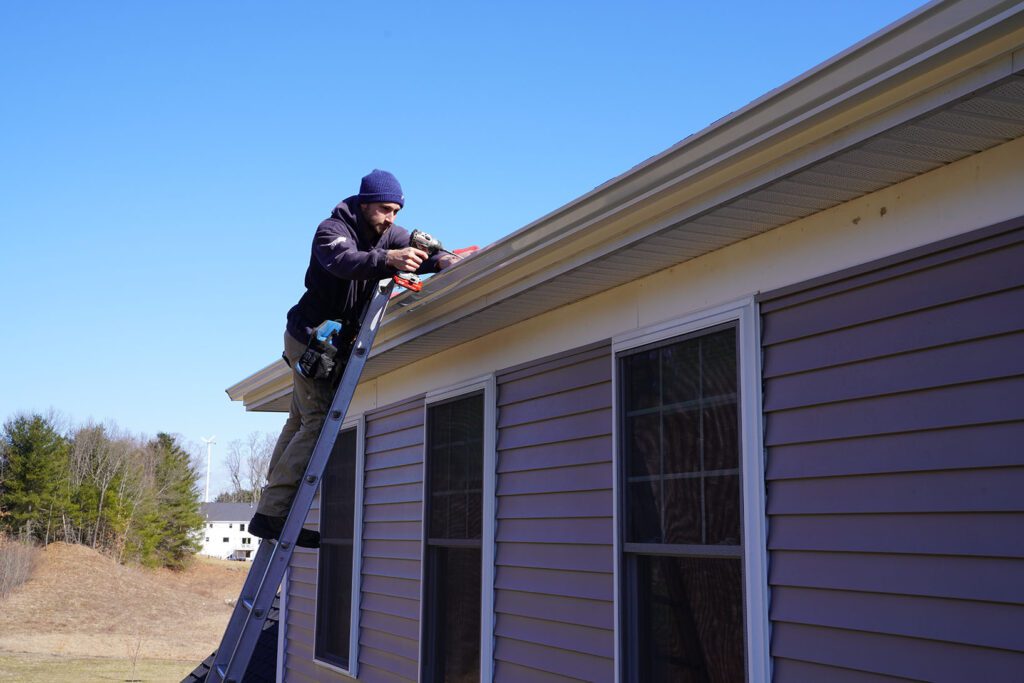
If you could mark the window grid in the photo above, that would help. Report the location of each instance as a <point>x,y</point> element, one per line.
<point>454,539</point>
<point>648,599</point>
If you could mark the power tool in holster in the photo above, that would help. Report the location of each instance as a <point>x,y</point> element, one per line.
<point>425,242</point>
<point>318,361</point>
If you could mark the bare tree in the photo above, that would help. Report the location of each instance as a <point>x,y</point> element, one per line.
<point>100,455</point>
<point>247,462</point>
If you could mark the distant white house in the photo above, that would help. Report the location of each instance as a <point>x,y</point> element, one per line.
<point>225,533</point>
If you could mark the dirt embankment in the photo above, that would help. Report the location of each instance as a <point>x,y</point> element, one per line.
<point>79,602</point>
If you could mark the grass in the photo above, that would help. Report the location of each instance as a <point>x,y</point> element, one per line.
<point>84,617</point>
<point>53,669</point>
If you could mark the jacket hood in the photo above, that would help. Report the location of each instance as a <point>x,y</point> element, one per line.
<point>346,211</point>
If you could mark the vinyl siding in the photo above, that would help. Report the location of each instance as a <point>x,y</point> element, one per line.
<point>389,608</point>
<point>392,533</point>
<point>894,414</point>
<point>300,612</point>
<point>554,617</point>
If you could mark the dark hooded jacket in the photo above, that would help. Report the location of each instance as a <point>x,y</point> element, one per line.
<point>347,258</point>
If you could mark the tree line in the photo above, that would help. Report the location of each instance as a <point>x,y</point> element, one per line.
<point>134,498</point>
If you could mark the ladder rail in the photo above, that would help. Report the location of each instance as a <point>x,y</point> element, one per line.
<point>272,558</point>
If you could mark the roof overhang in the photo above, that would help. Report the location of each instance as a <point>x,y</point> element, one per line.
<point>939,85</point>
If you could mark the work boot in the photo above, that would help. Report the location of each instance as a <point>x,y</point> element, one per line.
<point>269,528</point>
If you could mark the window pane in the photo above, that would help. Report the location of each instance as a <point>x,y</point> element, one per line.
<point>644,512</point>
<point>721,437</point>
<point>334,604</point>
<point>338,487</point>
<point>455,451</point>
<point>688,619</point>
<point>456,618</point>
<point>718,360</point>
<point>337,519</point>
<point>683,508</point>
<point>642,439</point>
<point>642,380</point>
<point>684,429</point>
<point>681,440</point>
<point>680,367</point>
<point>722,510</point>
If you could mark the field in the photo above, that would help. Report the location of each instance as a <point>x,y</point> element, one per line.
<point>83,617</point>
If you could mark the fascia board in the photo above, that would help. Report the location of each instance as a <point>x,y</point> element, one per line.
<point>261,387</point>
<point>236,391</point>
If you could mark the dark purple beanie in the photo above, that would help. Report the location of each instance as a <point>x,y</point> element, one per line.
<point>380,186</point>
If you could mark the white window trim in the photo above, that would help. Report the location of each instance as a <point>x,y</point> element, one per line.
<point>755,558</point>
<point>359,423</point>
<point>489,520</point>
<point>282,625</point>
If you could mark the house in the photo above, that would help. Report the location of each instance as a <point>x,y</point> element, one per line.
<point>752,410</point>
<point>224,534</point>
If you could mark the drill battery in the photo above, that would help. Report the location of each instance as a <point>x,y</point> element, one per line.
<point>425,242</point>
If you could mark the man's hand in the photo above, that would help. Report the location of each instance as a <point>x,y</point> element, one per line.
<point>405,260</point>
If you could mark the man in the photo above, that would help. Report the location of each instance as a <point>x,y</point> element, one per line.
<point>352,250</point>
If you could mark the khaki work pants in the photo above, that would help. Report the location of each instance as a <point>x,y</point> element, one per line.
<point>310,401</point>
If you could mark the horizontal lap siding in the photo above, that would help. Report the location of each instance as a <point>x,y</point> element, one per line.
<point>392,531</point>
<point>894,418</point>
<point>300,613</point>
<point>554,617</point>
<point>389,608</point>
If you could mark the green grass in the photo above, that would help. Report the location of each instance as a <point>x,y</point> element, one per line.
<point>54,669</point>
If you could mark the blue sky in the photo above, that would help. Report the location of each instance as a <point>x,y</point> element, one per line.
<point>163,165</point>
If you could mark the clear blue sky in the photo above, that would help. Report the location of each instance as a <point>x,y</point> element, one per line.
<point>163,165</point>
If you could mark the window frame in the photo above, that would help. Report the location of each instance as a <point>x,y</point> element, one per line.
<point>488,387</point>
<point>745,315</point>
<point>359,424</point>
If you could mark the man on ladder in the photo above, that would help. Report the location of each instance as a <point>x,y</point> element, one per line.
<point>352,250</point>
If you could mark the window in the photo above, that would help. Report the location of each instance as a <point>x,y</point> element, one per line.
<point>245,541</point>
<point>241,527</point>
<point>226,540</point>
<point>207,539</point>
<point>337,527</point>
<point>454,528</point>
<point>682,586</point>
<point>230,525</point>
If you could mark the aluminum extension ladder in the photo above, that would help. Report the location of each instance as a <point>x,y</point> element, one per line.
<point>272,558</point>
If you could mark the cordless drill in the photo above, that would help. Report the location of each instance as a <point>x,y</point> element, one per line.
<point>424,242</point>
<point>318,360</point>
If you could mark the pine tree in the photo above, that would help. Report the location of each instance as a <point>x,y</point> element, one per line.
<point>169,534</point>
<point>35,459</point>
